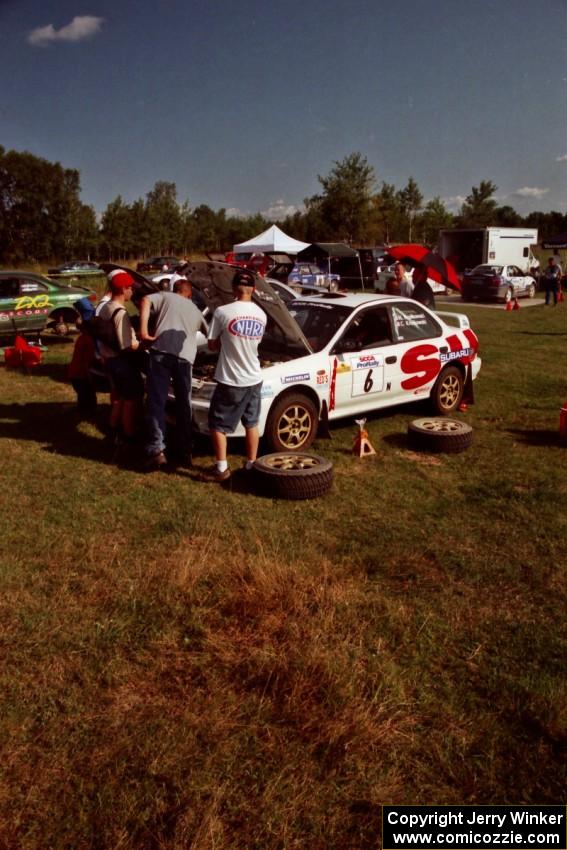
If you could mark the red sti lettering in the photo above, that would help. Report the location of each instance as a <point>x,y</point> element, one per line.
<point>414,361</point>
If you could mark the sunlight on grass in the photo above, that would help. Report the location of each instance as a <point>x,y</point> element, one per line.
<point>191,666</point>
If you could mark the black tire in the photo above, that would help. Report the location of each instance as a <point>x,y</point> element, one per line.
<point>291,475</point>
<point>438,434</point>
<point>292,423</point>
<point>447,393</point>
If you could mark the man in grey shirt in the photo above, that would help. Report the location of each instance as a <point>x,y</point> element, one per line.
<point>171,357</point>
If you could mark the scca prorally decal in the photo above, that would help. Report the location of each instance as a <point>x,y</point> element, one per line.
<point>246,327</point>
<point>368,361</point>
<point>266,391</point>
<point>293,379</point>
<point>456,355</point>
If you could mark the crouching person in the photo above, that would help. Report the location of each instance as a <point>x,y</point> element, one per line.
<point>117,348</point>
<point>235,332</point>
<point>173,346</point>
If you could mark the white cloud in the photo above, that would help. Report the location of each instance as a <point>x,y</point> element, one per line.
<point>81,27</point>
<point>562,158</point>
<point>234,212</point>
<point>454,202</point>
<point>531,192</point>
<point>279,210</point>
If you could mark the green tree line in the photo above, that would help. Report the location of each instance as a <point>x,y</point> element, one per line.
<point>42,217</point>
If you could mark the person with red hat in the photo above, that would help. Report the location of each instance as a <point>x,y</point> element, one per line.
<point>117,351</point>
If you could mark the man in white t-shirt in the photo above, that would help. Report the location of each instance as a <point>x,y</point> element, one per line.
<point>235,332</point>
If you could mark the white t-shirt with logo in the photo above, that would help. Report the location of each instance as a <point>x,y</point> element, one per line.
<point>240,326</point>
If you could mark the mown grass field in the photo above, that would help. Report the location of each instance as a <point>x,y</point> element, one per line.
<point>187,666</point>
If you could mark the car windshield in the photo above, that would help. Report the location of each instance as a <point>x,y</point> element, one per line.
<point>319,322</point>
<point>487,269</point>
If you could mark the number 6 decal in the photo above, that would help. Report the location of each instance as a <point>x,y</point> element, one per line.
<point>368,383</point>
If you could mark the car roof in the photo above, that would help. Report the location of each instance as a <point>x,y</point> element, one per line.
<point>20,272</point>
<point>354,299</point>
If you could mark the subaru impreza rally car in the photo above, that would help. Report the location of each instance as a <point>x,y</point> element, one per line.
<point>341,355</point>
<point>333,356</point>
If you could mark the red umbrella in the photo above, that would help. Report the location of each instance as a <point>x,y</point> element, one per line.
<point>437,267</point>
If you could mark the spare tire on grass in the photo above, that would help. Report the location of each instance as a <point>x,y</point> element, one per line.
<point>292,475</point>
<point>439,434</point>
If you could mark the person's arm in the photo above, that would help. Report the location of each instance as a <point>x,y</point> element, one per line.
<point>215,330</point>
<point>145,306</point>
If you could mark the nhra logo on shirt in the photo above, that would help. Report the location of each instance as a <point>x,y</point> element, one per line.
<point>246,327</point>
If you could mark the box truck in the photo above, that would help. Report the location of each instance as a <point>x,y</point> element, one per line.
<point>467,248</point>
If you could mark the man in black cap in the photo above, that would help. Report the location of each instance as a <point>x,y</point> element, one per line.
<point>235,332</point>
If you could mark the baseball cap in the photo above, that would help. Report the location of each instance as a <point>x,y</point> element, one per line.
<point>119,279</point>
<point>243,278</point>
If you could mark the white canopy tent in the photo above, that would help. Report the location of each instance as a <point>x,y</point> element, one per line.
<point>271,241</point>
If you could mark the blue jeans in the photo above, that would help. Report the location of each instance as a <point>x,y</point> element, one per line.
<point>551,288</point>
<point>162,369</point>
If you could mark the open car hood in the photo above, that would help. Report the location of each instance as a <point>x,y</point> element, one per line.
<point>213,280</point>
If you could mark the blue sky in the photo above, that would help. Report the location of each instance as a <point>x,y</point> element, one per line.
<point>242,104</point>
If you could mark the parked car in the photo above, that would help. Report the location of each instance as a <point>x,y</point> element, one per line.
<point>156,264</point>
<point>309,273</point>
<point>286,293</point>
<point>75,269</point>
<point>343,355</point>
<point>30,302</point>
<point>497,283</point>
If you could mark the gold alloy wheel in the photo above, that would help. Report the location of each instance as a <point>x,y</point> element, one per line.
<point>294,426</point>
<point>449,392</point>
<point>292,461</point>
<point>447,426</point>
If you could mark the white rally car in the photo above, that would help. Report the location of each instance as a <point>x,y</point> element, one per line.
<point>341,355</point>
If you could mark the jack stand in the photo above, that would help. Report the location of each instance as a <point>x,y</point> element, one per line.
<point>362,446</point>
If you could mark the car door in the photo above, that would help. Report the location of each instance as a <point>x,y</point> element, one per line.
<point>361,362</point>
<point>419,350</point>
<point>33,304</point>
<point>516,279</point>
<point>10,321</point>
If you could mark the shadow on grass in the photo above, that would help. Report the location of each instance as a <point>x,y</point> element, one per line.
<point>538,437</point>
<point>55,425</point>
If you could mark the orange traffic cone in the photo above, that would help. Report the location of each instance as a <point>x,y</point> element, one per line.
<point>516,304</point>
<point>509,305</point>
<point>362,445</point>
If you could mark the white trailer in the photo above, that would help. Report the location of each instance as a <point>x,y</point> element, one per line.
<point>467,248</point>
